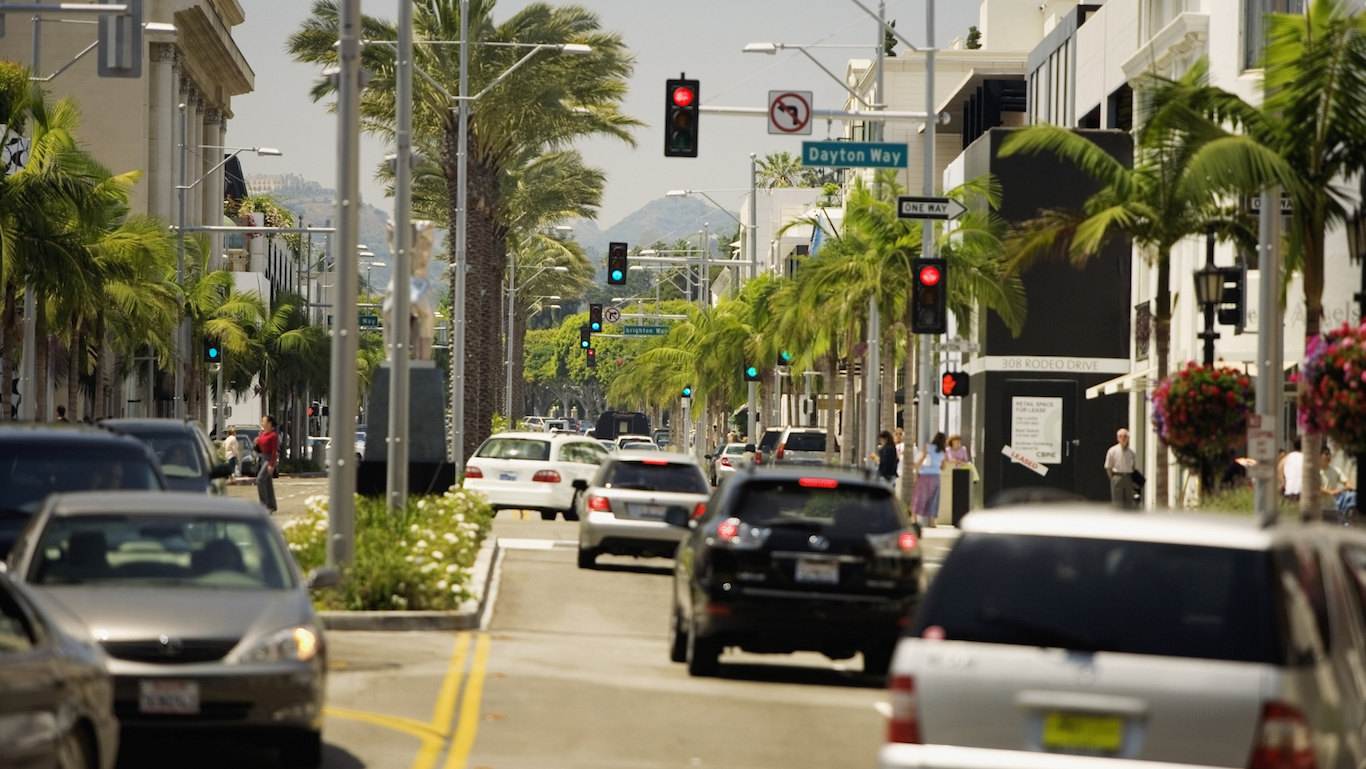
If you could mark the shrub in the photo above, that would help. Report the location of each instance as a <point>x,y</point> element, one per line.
<point>415,558</point>
<point>1201,412</point>
<point>298,466</point>
<point>1332,399</point>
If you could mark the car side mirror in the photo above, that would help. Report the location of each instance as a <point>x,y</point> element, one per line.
<point>580,484</point>
<point>324,577</point>
<point>706,456</point>
<point>677,516</point>
<point>223,470</point>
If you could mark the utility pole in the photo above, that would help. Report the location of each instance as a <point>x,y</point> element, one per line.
<point>753,217</point>
<point>401,318</point>
<point>181,349</point>
<point>341,482</point>
<point>1270,390</point>
<point>458,279</point>
<point>873,371</point>
<point>927,239</point>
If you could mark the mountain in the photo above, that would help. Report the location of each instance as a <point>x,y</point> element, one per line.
<point>666,219</point>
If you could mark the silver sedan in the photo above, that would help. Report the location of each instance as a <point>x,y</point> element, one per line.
<point>622,509</point>
<point>199,606</point>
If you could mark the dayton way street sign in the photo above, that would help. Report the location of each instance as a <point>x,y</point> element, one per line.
<point>854,154</point>
<point>645,330</point>
<point>938,209</point>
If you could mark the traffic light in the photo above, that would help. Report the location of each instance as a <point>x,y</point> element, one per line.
<point>616,264</point>
<point>929,297</point>
<point>752,374</point>
<point>212,352</point>
<point>1233,305</point>
<point>314,409</point>
<point>681,105</point>
<point>784,358</point>
<point>955,384</point>
<point>592,360</point>
<point>585,337</point>
<point>687,391</point>
<point>595,317</point>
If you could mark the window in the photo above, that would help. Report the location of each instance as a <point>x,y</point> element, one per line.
<point>846,508</point>
<point>805,442</point>
<point>28,474</point>
<point>1254,26</point>
<point>680,478</point>
<point>15,635</point>
<point>515,448</point>
<point>178,454</point>
<point>583,453</point>
<point>1306,600</point>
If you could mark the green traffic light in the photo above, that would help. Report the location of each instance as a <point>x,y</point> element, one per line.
<point>751,371</point>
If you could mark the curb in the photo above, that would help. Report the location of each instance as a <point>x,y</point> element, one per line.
<point>467,617</point>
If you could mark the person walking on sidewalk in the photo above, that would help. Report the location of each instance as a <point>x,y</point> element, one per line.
<point>232,449</point>
<point>925,501</point>
<point>268,443</point>
<point>885,457</point>
<point>1119,466</point>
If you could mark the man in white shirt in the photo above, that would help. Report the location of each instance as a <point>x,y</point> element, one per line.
<point>1292,473</point>
<point>1119,466</point>
<point>232,449</point>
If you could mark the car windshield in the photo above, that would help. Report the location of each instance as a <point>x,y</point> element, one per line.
<point>637,446</point>
<point>845,508</point>
<point>805,442</point>
<point>28,473</point>
<point>656,476</point>
<point>1106,595</point>
<point>167,550</point>
<point>735,448</point>
<point>515,448</point>
<point>177,452</point>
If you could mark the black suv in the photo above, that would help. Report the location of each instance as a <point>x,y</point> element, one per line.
<point>187,458</point>
<point>39,459</point>
<point>792,559</point>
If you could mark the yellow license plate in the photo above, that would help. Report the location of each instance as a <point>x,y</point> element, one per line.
<point>1089,734</point>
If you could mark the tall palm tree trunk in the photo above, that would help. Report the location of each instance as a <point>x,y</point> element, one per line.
<point>101,407</point>
<point>1311,507</point>
<point>828,382</point>
<point>73,373</point>
<point>887,403</point>
<point>911,374</point>
<point>40,358</point>
<point>1162,330</point>
<point>848,412</point>
<point>9,326</point>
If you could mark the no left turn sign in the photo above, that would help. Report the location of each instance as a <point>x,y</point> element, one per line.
<point>789,112</point>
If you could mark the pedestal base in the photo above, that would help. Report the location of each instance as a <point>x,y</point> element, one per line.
<point>428,468</point>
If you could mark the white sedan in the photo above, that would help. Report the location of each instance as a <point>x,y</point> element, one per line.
<point>533,471</point>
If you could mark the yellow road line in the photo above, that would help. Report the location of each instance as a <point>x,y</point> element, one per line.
<point>409,726</point>
<point>450,687</point>
<point>468,725</point>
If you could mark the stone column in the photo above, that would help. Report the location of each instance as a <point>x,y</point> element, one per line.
<point>211,193</point>
<point>164,93</point>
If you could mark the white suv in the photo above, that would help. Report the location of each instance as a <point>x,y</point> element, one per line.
<point>1126,639</point>
<point>533,471</point>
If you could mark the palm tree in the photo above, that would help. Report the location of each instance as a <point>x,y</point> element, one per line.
<point>547,103</point>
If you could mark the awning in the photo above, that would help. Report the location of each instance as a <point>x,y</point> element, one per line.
<point>1133,382</point>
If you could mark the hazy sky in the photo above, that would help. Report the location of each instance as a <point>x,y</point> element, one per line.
<point>703,38</point>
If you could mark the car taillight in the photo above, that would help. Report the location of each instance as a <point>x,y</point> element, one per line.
<point>601,504</point>
<point>473,472</point>
<point>779,453</point>
<point>906,540</point>
<point>727,529</point>
<point>725,461</point>
<point>1282,740</point>
<point>893,544</point>
<point>699,511</point>
<point>758,457</point>
<point>735,534</point>
<point>546,476</point>
<point>904,725</point>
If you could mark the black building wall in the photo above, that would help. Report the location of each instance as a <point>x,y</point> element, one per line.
<point>1073,313</point>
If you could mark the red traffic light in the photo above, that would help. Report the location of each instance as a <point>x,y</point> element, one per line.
<point>929,276</point>
<point>683,96</point>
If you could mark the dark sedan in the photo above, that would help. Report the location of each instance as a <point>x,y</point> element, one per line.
<point>187,458</point>
<point>56,698</point>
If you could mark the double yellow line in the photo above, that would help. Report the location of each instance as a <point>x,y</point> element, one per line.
<point>445,726</point>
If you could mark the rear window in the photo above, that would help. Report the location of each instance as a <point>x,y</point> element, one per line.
<point>29,473</point>
<point>178,453</point>
<point>685,479</point>
<point>805,442</point>
<point>846,508</point>
<point>515,448</point>
<point>770,439</point>
<point>1106,595</point>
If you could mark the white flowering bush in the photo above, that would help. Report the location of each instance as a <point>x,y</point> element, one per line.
<point>415,558</point>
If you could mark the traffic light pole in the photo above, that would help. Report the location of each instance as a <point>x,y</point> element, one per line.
<point>753,418</point>
<point>399,381</point>
<point>1270,390</point>
<point>458,279</point>
<point>926,411</point>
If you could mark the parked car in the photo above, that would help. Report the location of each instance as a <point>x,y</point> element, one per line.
<point>768,442</point>
<point>1188,639</point>
<point>639,446</point>
<point>246,438</point>
<point>56,697</point>
<point>661,437</point>
<point>610,446</point>
<point>40,459</point>
<point>794,559</point>
<point>202,612</point>
<point>731,459</point>
<point>187,458</point>
<point>535,424</point>
<point>802,446</point>
<point>533,471</point>
<point>621,511</point>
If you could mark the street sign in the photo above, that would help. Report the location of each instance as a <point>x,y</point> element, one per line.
<point>854,154</point>
<point>938,209</point>
<point>645,330</point>
<point>1261,445</point>
<point>1024,458</point>
<point>371,321</point>
<point>611,315</point>
<point>956,344</point>
<point>789,112</point>
<point>1255,204</point>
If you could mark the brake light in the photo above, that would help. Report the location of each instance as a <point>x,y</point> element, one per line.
<point>818,483</point>
<point>659,462</point>
<point>727,529</point>
<point>1282,740</point>
<point>735,534</point>
<point>546,476</point>
<point>904,725</point>
<point>473,472</point>
<point>601,504</point>
<point>906,540</point>
<point>758,457</point>
<point>725,461</point>
<point>699,511</point>
<point>779,453</point>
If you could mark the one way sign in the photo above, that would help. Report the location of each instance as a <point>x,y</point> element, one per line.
<point>938,209</point>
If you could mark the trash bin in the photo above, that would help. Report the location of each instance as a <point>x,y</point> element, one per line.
<point>962,493</point>
<point>319,455</point>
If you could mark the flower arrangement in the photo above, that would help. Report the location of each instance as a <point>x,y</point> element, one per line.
<point>414,558</point>
<point>1332,397</point>
<point>1201,413</point>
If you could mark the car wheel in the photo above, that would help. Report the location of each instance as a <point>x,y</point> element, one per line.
<point>572,514</point>
<point>547,515</point>
<point>302,750</point>
<point>703,654</point>
<point>877,657</point>
<point>75,752</point>
<point>678,649</point>
<point>588,559</point>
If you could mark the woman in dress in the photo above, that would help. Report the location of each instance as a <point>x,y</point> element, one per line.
<point>925,503</point>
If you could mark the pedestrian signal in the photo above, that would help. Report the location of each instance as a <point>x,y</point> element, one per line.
<point>955,384</point>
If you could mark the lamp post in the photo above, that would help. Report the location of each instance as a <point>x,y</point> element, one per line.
<point>370,266</point>
<point>1209,291</point>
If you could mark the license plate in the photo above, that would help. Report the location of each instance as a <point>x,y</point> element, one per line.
<point>818,572</point>
<point>1085,734</point>
<point>507,476</point>
<point>168,697</point>
<point>647,512</point>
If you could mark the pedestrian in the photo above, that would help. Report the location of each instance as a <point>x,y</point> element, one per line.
<point>900,436</point>
<point>232,449</point>
<point>61,414</point>
<point>268,444</point>
<point>956,455</point>
<point>1330,485</point>
<point>1292,472</point>
<point>925,502</point>
<point>1120,463</point>
<point>885,456</point>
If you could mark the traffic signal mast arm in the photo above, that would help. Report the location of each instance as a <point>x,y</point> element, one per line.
<point>942,117</point>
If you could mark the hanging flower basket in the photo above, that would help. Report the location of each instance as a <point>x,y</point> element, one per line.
<point>1201,413</point>
<point>1332,397</point>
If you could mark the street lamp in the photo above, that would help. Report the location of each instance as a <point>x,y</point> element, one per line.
<point>1209,291</point>
<point>370,286</point>
<point>772,48</point>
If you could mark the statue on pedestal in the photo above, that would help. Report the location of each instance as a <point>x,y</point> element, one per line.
<point>422,302</point>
